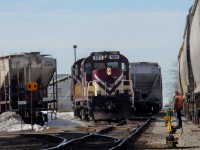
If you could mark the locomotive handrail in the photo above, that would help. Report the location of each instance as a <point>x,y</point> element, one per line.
<point>60,80</point>
<point>92,82</point>
<point>130,83</point>
<point>88,88</point>
<point>131,88</point>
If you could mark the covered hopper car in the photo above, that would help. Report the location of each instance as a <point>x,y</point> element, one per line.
<point>147,86</point>
<point>24,79</point>
<point>189,65</point>
<point>101,88</point>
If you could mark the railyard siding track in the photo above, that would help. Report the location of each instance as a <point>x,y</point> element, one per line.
<point>99,137</point>
<point>69,135</point>
<point>128,142</point>
<point>29,141</point>
<point>92,141</point>
<point>113,137</point>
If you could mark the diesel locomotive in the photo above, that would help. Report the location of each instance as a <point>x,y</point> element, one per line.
<point>101,87</point>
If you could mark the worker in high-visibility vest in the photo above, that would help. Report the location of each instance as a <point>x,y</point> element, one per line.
<point>178,105</point>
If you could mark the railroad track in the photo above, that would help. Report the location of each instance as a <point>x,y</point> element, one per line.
<point>100,136</point>
<point>29,141</point>
<point>108,137</point>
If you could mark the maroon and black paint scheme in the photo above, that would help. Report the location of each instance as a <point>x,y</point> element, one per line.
<point>112,105</point>
<point>75,78</point>
<point>115,106</point>
<point>106,81</point>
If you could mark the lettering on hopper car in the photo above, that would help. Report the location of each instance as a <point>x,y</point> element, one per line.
<point>48,64</point>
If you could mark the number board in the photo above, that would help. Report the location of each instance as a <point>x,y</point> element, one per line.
<point>113,56</point>
<point>98,57</point>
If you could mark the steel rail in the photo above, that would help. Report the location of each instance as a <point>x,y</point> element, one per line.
<point>99,141</point>
<point>90,142</point>
<point>126,143</point>
<point>111,127</point>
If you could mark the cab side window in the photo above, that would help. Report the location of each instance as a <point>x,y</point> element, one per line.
<point>76,70</point>
<point>88,68</point>
<point>124,66</point>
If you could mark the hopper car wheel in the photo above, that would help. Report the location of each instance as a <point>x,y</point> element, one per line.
<point>155,109</point>
<point>143,109</point>
<point>77,113</point>
<point>45,117</point>
<point>41,119</point>
<point>84,115</point>
<point>42,122</point>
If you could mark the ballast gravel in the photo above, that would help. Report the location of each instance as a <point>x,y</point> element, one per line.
<point>155,135</point>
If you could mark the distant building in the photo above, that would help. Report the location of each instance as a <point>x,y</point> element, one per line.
<point>64,99</point>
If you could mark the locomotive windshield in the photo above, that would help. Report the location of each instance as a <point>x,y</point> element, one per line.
<point>88,68</point>
<point>112,64</point>
<point>104,65</point>
<point>99,65</point>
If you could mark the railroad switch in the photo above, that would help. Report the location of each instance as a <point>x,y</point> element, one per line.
<point>173,130</point>
<point>171,141</point>
<point>168,121</point>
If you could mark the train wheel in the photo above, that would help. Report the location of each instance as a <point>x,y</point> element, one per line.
<point>77,113</point>
<point>82,114</point>
<point>155,109</point>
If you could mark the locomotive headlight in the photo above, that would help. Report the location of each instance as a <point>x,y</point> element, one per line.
<point>109,71</point>
<point>98,93</point>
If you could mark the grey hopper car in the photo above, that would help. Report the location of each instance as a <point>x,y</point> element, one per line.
<point>147,85</point>
<point>16,72</point>
<point>189,65</point>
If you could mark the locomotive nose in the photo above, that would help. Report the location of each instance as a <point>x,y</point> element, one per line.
<point>110,80</point>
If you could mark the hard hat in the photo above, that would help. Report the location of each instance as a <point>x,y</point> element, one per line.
<point>177,92</point>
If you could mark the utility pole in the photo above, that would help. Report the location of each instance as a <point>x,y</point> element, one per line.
<point>74,46</point>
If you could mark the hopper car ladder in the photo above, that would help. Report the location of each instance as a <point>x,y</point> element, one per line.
<point>16,80</point>
<point>6,100</point>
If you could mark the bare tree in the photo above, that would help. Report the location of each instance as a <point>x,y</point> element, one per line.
<point>172,84</point>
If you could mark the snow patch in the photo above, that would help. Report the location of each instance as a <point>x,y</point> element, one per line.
<point>10,122</point>
<point>64,119</point>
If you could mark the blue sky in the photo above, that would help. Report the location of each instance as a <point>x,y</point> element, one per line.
<point>143,30</point>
